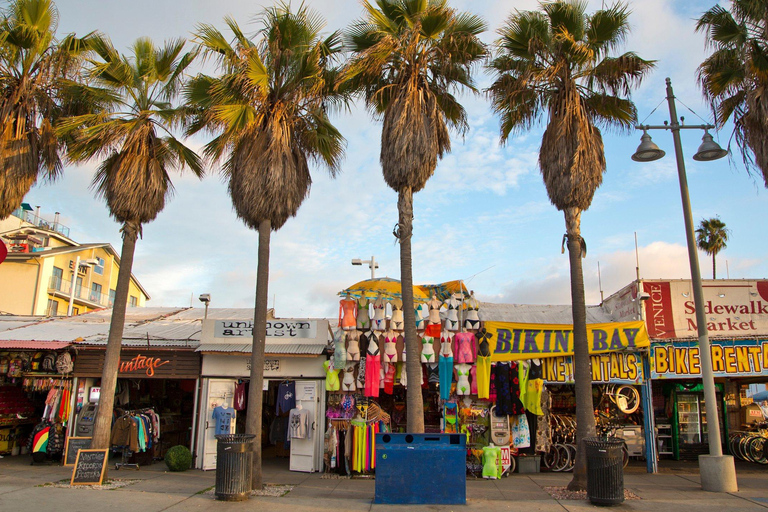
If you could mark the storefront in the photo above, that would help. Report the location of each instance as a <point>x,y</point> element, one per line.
<point>293,380</point>
<point>155,384</point>
<point>678,397</point>
<point>506,385</point>
<point>35,397</point>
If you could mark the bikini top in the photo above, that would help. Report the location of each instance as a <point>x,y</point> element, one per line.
<point>397,305</point>
<point>427,340</point>
<point>434,305</point>
<point>483,337</point>
<point>462,370</point>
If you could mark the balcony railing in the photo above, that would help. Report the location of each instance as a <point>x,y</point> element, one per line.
<point>38,221</point>
<point>64,288</point>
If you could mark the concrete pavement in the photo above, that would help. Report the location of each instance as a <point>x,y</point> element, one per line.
<point>157,490</point>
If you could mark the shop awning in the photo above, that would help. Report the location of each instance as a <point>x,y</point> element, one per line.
<point>32,345</point>
<point>312,349</point>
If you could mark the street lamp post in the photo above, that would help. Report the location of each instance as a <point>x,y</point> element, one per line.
<point>72,284</point>
<point>717,470</point>
<point>372,264</point>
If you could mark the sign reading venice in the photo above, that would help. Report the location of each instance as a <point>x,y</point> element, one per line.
<point>514,341</point>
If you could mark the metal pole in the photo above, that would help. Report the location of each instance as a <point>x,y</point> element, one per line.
<point>72,286</point>
<point>373,267</point>
<point>707,377</point>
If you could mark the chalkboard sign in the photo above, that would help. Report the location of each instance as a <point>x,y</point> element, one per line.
<point>90,467</point>
<point>73,445</point>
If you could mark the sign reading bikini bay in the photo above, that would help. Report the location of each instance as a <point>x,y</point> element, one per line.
<point>515,341</point>
<point>287,328</point>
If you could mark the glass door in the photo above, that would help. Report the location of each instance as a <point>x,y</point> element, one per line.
<point>689,418</point>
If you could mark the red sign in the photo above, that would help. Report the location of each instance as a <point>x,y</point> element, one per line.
<point>658,310</point>
<point>141,362</point>
<point>3,251</point>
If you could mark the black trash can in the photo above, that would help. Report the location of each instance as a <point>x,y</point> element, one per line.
<point>605,470</point>
<point>234,466</point>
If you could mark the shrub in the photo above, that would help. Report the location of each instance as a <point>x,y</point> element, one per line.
<point>178,458</point>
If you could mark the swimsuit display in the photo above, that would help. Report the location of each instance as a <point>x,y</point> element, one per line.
<point>379,320</point>
<point>390,348</point>
<point>464,347</point>
<point>397,322</point>
<point>363,316</point>
<point>427,350</point>
<point>372,367</point>
<point>348,384</point>
<point>422,314</point>
<point>339,350</point>
<point>332,382</point>
<point>446,376</point>
<point>507,382</point>
<point>462,374</point>
<point>452,314</point>
<point>353,346</point>
<point>347,314</point>
<point>472,320</point>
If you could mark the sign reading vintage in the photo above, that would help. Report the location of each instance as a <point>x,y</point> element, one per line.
<point>614,367</point>
<point>514,341</point>
<point>287,328</point>
<point>142,363</point>
<point>742,358</point>
<point>732,308</point>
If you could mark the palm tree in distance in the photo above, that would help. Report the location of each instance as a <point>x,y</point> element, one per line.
<point>711,237</point>
<point>269,112</point>
<point>33,66</point>
<point>735,77</point>
<point>129,129</point>
<point>556,62</point>
<point>410,57</point>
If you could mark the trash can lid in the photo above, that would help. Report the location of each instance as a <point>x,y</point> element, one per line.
<point>235,438</point>
<point>603,442</point>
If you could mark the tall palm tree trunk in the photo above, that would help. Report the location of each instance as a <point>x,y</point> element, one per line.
<point>103,424</point>
<point>582,367</point>
<point>415,402</point>
<point>255,392</point>
<point>714,267</point>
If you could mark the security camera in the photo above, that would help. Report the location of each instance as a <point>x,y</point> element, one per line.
<point>641,296</point>
<point>205,298</point>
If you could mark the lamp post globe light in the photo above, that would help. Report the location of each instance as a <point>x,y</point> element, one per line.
<point>718,472</point>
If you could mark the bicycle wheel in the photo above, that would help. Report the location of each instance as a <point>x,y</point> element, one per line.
<point>563,457</point>
<point>627,399</point>
<point>624,455</point>
<point>571,456</point>
<point>550,458</point>
<point>755,450</point>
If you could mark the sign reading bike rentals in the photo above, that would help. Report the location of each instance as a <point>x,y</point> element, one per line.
<point>514,341</point>
<point>742,358</point>
<point>614,367</point>
<point>288,328</point>
<point>732,308</point>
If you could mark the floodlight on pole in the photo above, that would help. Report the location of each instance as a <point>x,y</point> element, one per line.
<point>718,472</point>
<point>75,270</point>
<point>372,264</point>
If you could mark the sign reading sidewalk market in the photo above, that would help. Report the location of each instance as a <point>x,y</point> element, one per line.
<point>742,358</point>
<point>514,341</point>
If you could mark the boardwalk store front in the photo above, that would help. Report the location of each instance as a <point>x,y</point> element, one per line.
<point>619,357</point>
<point>35,397</point>
<point>736,311</point>
<point>678,397</point>
<point>293,382</point>
<point>153,384</point>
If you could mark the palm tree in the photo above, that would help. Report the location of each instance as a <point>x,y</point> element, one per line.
<point>129,129</point>
<point>268,110</point>
<point>711,237</point>
<point>556,62</point>
<point>32,66</point>
<point>410,57</point>
<point>735,78</point>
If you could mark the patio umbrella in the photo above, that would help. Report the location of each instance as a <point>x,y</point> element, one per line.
<point>760,396</point>
<point>382,286</point>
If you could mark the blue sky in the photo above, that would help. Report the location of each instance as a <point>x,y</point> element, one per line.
<point>484,216</point>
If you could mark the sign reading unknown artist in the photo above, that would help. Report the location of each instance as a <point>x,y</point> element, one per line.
<point>287,328</point>
<point>514,341</point>
<point>742,358</point>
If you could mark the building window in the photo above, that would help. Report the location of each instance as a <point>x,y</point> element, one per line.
<point>75,311</point>
<point>99,267</point>
<point>134,301</point>
<point>112,294</point>
<point>95,292</point>
<point>79,287</point>
<point>56,277</point>
<point>53,308</point>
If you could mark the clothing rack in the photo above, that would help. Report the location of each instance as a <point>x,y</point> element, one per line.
<point>126,451</point>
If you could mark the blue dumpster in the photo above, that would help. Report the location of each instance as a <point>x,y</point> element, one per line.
<point>421,469</point>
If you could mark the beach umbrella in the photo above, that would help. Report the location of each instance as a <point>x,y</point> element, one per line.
<point>382,286</point>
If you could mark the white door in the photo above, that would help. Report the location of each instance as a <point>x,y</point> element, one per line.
<point>219,392</point>
<point>304,454</point>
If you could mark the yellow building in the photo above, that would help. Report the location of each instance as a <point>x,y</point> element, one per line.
<point>38,274</point>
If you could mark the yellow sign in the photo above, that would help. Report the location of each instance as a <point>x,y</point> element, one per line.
<point>741,358</point>
<point>616,367</point>
<point>513,341</point>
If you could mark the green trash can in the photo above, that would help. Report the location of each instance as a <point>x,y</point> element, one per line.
<point>605,470</point>
<point>234,466</point>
